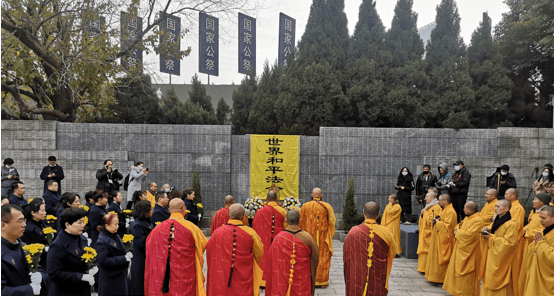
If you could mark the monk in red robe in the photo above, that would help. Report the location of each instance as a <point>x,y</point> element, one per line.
<point>222,215</point>
<point>293,261</point>
<point>268,222</point>
<point>233,254</point>
<point>368,253</point>
<point>174,259</point>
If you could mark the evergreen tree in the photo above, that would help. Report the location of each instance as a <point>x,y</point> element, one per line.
<point>222,111</point>
<point>169,100</point>
<point>492,87</point>
<point>402,40</point>
<point>368,38</point>
<point>136,102</point>
<point>451,93</point>
<point>262,115</point>
<point>350,215</point>
<point>198,95</point>
<point>188,113</point>
<point>242,102</point>
<point>196,188</point>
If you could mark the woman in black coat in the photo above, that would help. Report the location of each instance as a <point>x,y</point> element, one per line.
<point>113,260</point>
<point>68,273</point>
<point>96,212</point>
<point>35,214</point>
<point>68,200</point>
<point>405,186</point>
<point>115,206</point>
<point>140,229</point>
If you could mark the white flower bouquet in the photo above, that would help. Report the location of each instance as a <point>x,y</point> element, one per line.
<point>252,205</point>
<point>291,203</point>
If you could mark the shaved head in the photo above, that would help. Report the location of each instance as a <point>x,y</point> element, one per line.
<point>371,210</point>
<point>546,216</point>
<point>229,200</point>
<point>293,217</point>
<point>271,196</point>
<point>470,208</point>
<point>549,210</point>
<point>236,211</point>
<point>505,203</point>
<point>176,205</point>
<point>316,193</point>
<point>511,194</point>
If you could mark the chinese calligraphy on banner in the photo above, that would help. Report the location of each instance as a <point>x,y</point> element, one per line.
<point>96,26</point>
<point>247,44</point>
<point>274,165</point>
<point>171,26</point>
<point>208,45</point>
<point>286,37</point>
<point>131,29</point>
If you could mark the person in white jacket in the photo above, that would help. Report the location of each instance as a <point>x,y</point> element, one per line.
<point>136,176</point>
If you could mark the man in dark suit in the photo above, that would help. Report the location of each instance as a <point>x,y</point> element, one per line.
<point>16,198</point>
<point>51,197</point>
<point>161,212</point>
<point>16,279</point>
<point>52,172</point>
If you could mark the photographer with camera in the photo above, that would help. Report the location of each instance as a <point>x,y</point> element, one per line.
<point>423,182</point>
<point>52,172</point>
<point>108,177</point>
<point>502,180</point>
<point>9,176</point>
<point>136,176</point>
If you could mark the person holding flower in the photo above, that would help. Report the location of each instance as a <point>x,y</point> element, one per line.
<point>69,274</point>
<point>16,278</point>
<point>140,229</point>
<point>113,260</point>
<point>368,251</point>
<point>68,200</point>
<point>193,215</point>
<point>114,202</point>
<point>35,214</point>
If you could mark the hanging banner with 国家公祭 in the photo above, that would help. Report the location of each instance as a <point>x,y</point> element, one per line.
<point>274,165</point>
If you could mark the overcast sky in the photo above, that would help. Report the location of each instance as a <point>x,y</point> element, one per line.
<point>267,21</point>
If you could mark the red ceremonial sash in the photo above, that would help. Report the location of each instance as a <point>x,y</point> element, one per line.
<point>356,259</point>
<point>262,224</point>
<point>219,252</point>
<point>182,272</point>
<point>277,282</point>
<point>220,218</point>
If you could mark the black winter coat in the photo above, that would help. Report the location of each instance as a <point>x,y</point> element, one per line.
<point>404,195</point>
<point>140,230</point>
<point>112,266</point>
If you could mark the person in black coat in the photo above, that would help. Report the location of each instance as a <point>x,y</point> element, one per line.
<point>459,188</point>
<point>502,180</point>
<point>52,172</point>
<point>17,198</point>
<point>193,215</point>
<point>113,260</point>
<point>96,212</point>
<point>140,229</point>
<point>36,215</point>
<point>51,197</point>
<point>68,273</point>
<point>115,206</point>
<point>16,280</point>
<point>108,177</point>
<point>423,182</point>
<point>68,200</point>
<point>405,186</point>
<point>160,212</point>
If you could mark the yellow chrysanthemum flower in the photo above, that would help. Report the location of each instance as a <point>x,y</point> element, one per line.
<point>86,220</point>
<point>112,212</point>
<point>127,238</point>
<point>199,205</point>
<point>51,217</point>
<point>49,230</point>
<point>127,211</point>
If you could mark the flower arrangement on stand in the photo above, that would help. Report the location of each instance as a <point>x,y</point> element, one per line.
<point>291,203</point>
<point>252,205</point>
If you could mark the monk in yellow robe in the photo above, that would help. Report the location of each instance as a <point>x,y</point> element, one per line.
<point>317,218</point>
<point>268,222</point>
<point>294,258</point>
<point>488,210</point>
<point>517,215</point>
<point>540,277</point>
<point>425,230</point>
<point>441,241</point>
<point>463,274</point>
<point>222,215</point>
<point>501,243</point>
<point>368,273</point>
<point>391,219</point>
<point>534,226</point>
<point>232,255</point>
<point>174,258</point>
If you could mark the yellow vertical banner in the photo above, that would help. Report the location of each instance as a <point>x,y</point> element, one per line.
<point>274,165</point>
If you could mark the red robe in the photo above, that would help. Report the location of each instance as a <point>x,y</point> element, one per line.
<point>262,224</point>
<point>280,267</point>
<point>221,217</point>
<point>246,273</point>
<point>186,276</point>
<point>355,258</point>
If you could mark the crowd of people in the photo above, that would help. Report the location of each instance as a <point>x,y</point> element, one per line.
<point>154,246</point>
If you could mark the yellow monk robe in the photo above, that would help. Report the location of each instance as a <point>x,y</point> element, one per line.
<point>240,244</point>
<point>500,249</point>
<point>534,226</point>
<point>391,219</point>
<point>221,217</point>
<point>187,248</point>
<point>150,197</point>
<point>540,277</point>
<point>317,218</point>
<point>488,211</point>
<point>463,273</point>
<point>441,245</point>
<point>517,215</point>
<point>424,236</point>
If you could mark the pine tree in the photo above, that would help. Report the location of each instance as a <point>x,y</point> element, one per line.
<point>492,86</point>
<point>169,100</point>
<point>262,116</point>
<point>196,188</point>
<point>136,102</point>
<point>198,95</point>
<point>368,38</point>
<point>222,111</point>
<point>242,102</point>
<point>402,40</point>
<point>350,208</point>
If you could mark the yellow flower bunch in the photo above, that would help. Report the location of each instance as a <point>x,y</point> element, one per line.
<point>127,238</point>
<point>127,211</point>
<point>33,255</point>
<point>86,220</point>
<point>199,205</point>
<point>89,256</point>
<point>49,230</point>
<point>51,217</point>
<point>156,223</point>
<point>112,212</point>
<point>84,207</point>
<point>30,200</point>
<point>33,248</point>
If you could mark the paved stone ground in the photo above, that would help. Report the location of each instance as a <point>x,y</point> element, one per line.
<point>404,279</point>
